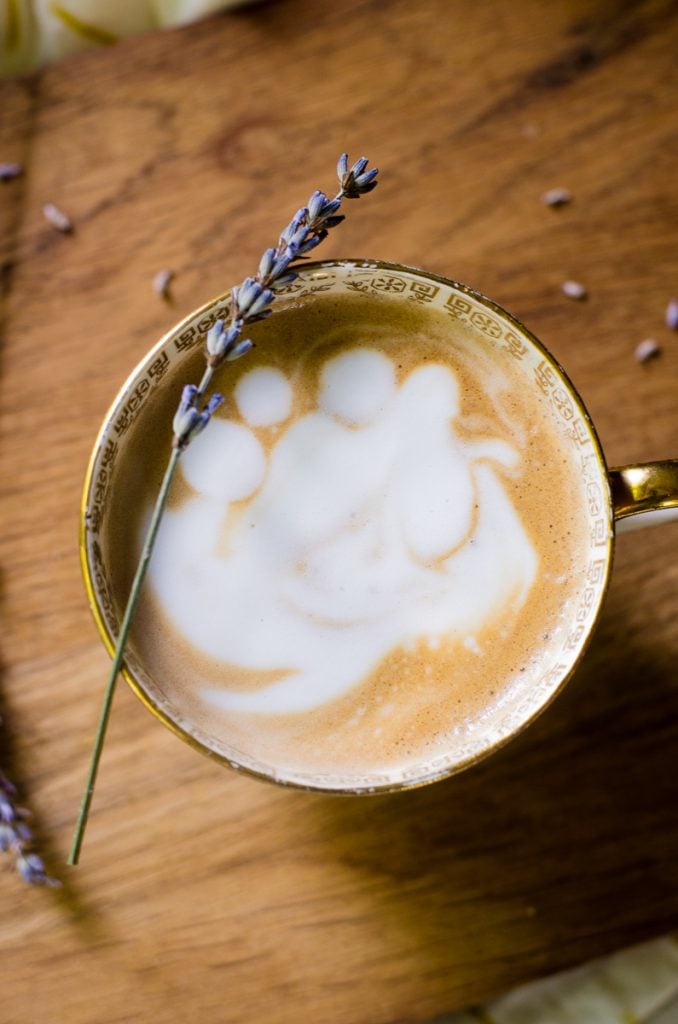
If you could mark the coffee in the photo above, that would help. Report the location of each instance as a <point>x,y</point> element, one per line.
<point>376,547</point>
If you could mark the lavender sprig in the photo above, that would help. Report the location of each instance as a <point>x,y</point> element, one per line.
<point>250,302</point>
<point>16,837</point>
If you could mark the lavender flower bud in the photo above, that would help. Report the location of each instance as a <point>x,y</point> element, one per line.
<point>261,302</point>
<point>186,415</point>
<point>330,206</point>
<point>364,179</point>
<point>280,265</point>
<point>357,181</point>
<point>22,832</point>
<point>266,263</point>
<point>359,166</point>
<point>30,865</point>
<point>311,243</point>
<point>32,870</point>
<point>672,315</point>
<point>294,224</point>
<point>7,812</point>
<point>213,404</point>
<point>9,171</point>
<point>297,239</point>
<point>202,418</point>
<point>316,204</point>
<point>188,393</point>
<point>213,341</point>
<point>239,350</point>
<point>6,838</point>
<point>342,167</point>
<point>9,787</point>
<point>249,290</point>
<point>218,343</point>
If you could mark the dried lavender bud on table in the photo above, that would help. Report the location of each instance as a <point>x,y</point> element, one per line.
<point>574,290</point>
<point>672,315</point>
<point>161,283</point>
<point>557,197</point>
<point>647,349</point>
<point>9,171</point>
<point>57,218</point>
<point>16,837</point>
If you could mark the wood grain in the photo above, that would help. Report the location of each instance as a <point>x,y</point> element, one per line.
<point>204,896</point>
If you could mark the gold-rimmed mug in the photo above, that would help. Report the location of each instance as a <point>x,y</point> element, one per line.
<point>629,495</point>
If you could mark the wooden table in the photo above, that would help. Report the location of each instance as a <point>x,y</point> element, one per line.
<point>203,896</point>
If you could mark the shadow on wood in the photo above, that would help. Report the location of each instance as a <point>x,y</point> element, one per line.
<point>517,856</point>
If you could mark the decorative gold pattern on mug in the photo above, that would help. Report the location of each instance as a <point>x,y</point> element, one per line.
<point>595,571</point>
<point>459,308</point>
<point>487,324</point>
<point>514,345</point>
<point>158,367</point>
<point>103,588</point>
<point>132,406</point>
<point>545,377</point>
<point>422,292</point>
<point>101,485</point>
<point>187,339</point>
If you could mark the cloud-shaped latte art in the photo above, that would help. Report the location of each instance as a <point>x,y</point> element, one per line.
<point>368,526</point>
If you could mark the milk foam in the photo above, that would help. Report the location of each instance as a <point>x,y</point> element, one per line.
<point>371,524</point>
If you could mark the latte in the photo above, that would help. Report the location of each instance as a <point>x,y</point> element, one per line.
<point>370,557</point>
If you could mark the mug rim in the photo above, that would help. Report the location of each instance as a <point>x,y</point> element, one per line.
<point>308,269</point>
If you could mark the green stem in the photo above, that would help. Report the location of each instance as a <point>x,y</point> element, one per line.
<point>132,600</point>
<point>121,642</point>
<point>204,383</point>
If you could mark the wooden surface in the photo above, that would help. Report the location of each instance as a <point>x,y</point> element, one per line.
<point>207,897</point>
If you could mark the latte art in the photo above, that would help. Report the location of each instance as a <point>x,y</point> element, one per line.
<point>373,556</point>
<point>370,525</point>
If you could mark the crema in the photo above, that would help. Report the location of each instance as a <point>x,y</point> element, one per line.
<point>369,550</point>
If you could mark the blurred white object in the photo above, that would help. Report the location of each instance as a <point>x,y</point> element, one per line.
<point>34,32</point>
<point>638,985</point>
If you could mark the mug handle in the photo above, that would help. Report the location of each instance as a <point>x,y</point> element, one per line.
<point>650,488</point>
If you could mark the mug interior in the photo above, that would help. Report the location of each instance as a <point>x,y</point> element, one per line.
<point>491,325</point>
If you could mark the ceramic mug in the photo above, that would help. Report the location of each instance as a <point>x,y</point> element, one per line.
<point>625,495</point>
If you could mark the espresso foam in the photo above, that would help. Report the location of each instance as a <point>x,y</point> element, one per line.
<point>371,526</point>
<point>353,573</point>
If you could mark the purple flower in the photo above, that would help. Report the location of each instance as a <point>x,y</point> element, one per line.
<point>239,350</point>
<point>294,225</point>
<point>32,870</point>
<point>249,290</point>
<point>266,263</point>
<point>16,837</point>
<point>357,181</point>
<point>189,421</point>
<point>672,315</point>
<point>316,204</point>
<point>186,414</point>
<point>262,300</point>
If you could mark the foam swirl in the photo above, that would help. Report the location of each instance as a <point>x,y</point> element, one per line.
<point>370,525</point>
